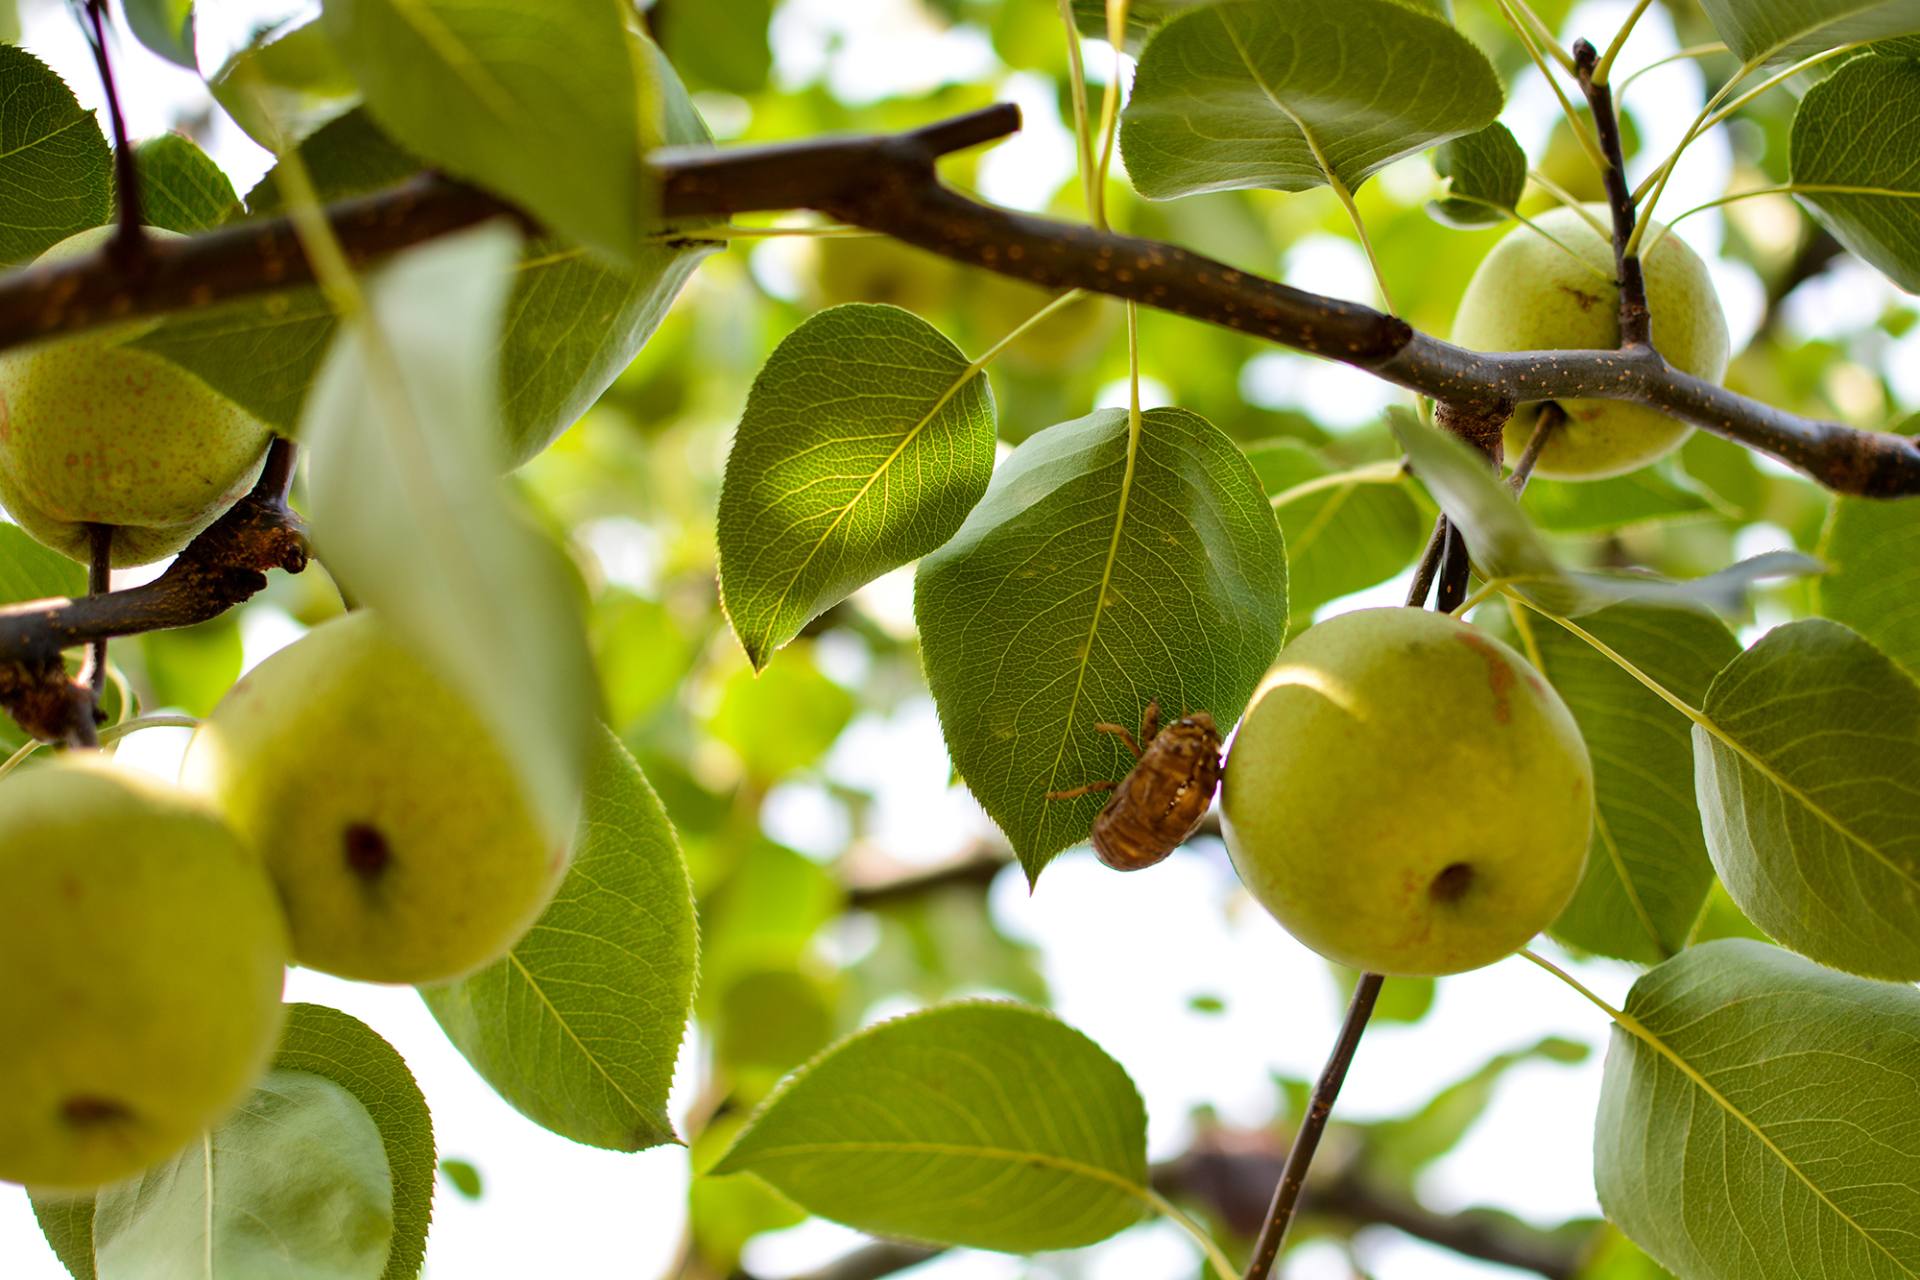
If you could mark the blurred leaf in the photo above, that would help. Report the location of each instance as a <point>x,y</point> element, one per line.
<point>164,26</point>
<point>723,1213</point>
<point>1726,469</point>
<point>1288,98</point>
<point>409,515</point>
<point>765,916</point>
<point>572,321</point>
<point>1402,1147</point>
<point>1874,548</point>
<point>722,43</point>
<point>29,571</point>
<point>1860,129</point>
<point>1345,530</point>
<point>772,1020</point>
<point>181,188</point>
<point>1486,174</point>
<point>1723,919</point>
<point>1402,999</point>
<point>1096,575</point>
<point>641,653</point>
<point>1617,1258</point>
<point>56,170</point>
<point>327,1043</point>
<point>192,667</point>
<point>1647,871</point>
<point>936,946</point>
<point>294,1184</point>
<point>538,104</point>
<point>1808,760</point>
<point>1769,31</point>
<point>782,720</point>
<point>980,1124</point>
<point>866,440</point>
<point>1757,1118</point>
<point>578,1027</point>
<point>1143,17</point>
<point>464,1177</point>
<point>1602,506</point>
<point>286,85</point>
<point>1507,547</point>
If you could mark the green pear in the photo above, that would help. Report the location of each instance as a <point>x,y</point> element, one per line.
<point>401,838</point>
<point>1406,795</point>
<point>94,430</point>
<point>1531,294</point>
<point>141,957</point>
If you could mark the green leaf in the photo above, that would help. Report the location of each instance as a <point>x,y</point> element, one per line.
<point>572,323</point>
<point>988,1125</point>
<point>408,513</point>
<point>722,43</point>
<point>810,709</point>
<point>1143,18</point>
<point>539,103</point>
<point>866,440</point>
<point>193,667</point>
<point>1860,129</point>
<point>327,1043</point>
<point>1401,1147</point>
<point>1486,174</point>
<point>294,1184</point>
<point>1757,1119</point>
<point>1097,574</point>
<point>1601,506</point>
<point>286,85</point>
<point>1765,31</point>
<point>166,27</point>
<point>1808,769</point>
<point>67,1223</point>
<point>181,188</point>
<point>56,170</point>
<point>464,1176</point>
<point>1290,96</point>
<point>1345,530</point>
<point>579,1025</point>
<point>29,571</point>
<point>1874,548</point>
<point>1648,873</point>
<point>1506,546</point>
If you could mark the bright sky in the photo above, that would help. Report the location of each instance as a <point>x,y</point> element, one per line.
<point>1124,965</point>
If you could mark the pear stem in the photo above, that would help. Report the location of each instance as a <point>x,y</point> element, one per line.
<point>99,582</point>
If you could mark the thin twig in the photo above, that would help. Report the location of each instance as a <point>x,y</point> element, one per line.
<point>1636,322</point>
<point>1286,1193</point>
<point>1551,415</point>
<point>99,582</point>
<point>129,244</point>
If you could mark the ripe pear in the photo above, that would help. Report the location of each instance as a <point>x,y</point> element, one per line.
<point>94,430</point>
<point>1406,795</point>
<point>403,842</point>
<point>1531,294</point>
<point>142,951</point>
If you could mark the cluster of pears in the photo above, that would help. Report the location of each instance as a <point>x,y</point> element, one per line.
<point>95,430</point>
<point>1406,795</point>
<point>344,808</point>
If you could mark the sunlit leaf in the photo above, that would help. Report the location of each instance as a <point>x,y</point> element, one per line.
<point>981,1124</point>
<point>164,26</point>
<point>1860,129</point>
<point>286,85</point>
<point>408,512</point>
<point>1648,873</point>
<point>56,171</point>
<point>1874,547</point>
<point>1758,1118</point>
<point>579,1025</point>
<point>539,103</point>
<point>293,1185</point>
<point>1486,174</point>
<point>1290,96</point>
<point>866,440</point>
<point>1763,31</point>
<point>1809,782</point>
<point>181,188</point>
<point>1097,574</point>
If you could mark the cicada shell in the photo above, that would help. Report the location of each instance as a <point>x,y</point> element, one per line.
<point>1163,797</point>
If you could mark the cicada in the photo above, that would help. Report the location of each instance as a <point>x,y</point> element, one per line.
<point>1163,797</point>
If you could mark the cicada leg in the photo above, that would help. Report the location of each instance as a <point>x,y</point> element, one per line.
<point>1120,732</point>
<point>1074,793</point>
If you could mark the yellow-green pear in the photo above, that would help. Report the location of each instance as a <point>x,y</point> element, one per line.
<point>94,430</point>
<point>1406,795</point>
<point>142,951</point>
<point>402,841</point>
<point>1532,294</point>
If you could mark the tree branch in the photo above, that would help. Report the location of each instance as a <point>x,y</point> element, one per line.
<point>1636,318</point>
<point>888,184</point>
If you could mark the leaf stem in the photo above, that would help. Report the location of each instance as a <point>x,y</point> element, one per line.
<point>1581,133</point>
<point>112,733</point>
<point>1109,108</point>
<point>1216,1257</point>
<point>1541,31</point>
<point>1020,330</point>
<point>1293,1176</point>
<point>1619,42</point>
<point>1554,969</point>
<point>1388,472</point>
<point>1692,51</point>
<point>1567,200</point>
<point>1082,133</point>
<point>1359,229</point>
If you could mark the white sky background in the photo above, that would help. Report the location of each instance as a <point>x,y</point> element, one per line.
<point>1123,964</point>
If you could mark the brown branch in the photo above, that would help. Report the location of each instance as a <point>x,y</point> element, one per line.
<point>1636,318</point>
<point>888,184</point>
<point>225,565</point>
